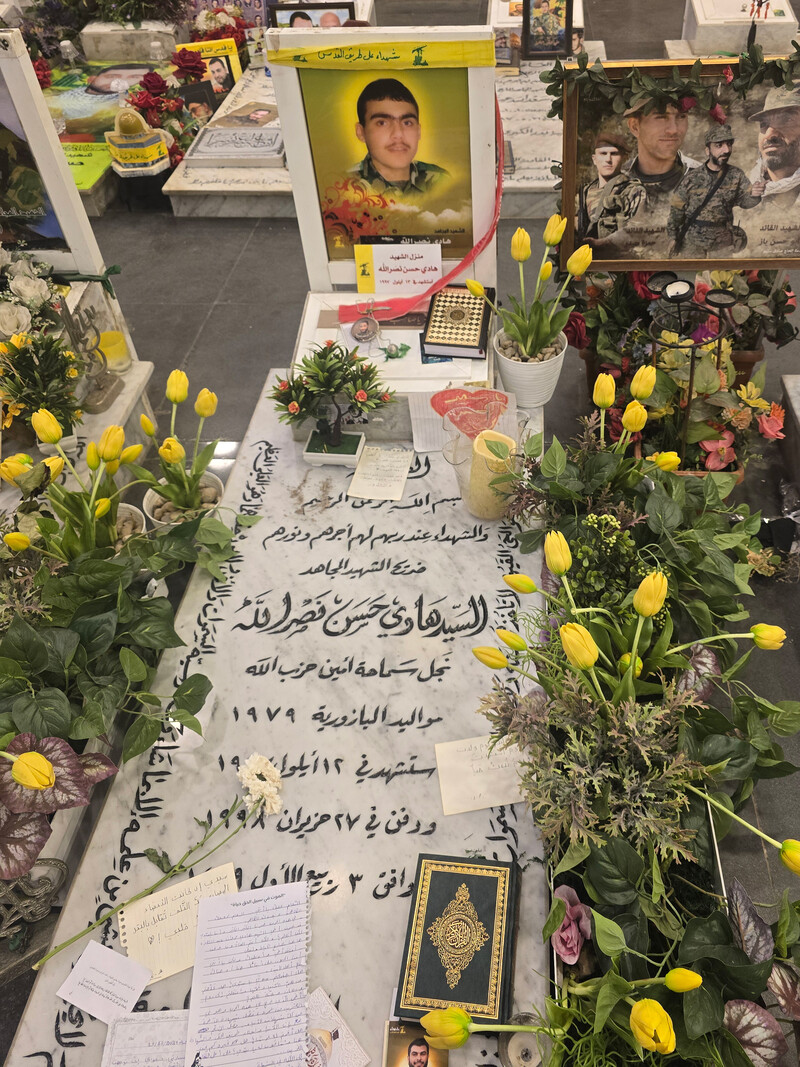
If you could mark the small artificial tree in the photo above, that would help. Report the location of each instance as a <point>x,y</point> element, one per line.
<point>331,379</point>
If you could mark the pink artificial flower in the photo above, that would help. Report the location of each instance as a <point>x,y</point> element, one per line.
<point>720,454</point>
<point>772,424</point>
<point>361,396</point>
<point>718,115</point>
<point>686,103</point>
<point>294,407</point>
<point>701,290</point>
<point>752,276</point>
<point>283,386</point>
<point>575,929</point>
<point>727,74</point>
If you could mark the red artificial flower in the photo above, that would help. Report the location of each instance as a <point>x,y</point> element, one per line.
<point>329,343</point>
<point>175,157</point>
<point>701,290</point>
<point>718,115</point>
<point>639,280</point>
<point>172,103</point>
<point>283,386</point>
<point>771,425</point>
<point>154,83</point>
<point>361,396</point>
<point>142,101</point>
<point>720,454</point>
<point>152,118</point>
<point>575,330</point>
<point>189,66</point>
<point>752,276</point>
<point>727,74</point>
<point>686,103</point>
<point>43,72</point>
<point>294,407</point>
<point>386,398</point>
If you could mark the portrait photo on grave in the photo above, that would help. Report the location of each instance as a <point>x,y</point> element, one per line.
<point>247,115</point>
<point>546,28</point>
<point>201,101</point>
<point>391,155</point>
<point>223,68</point>
<point>85,99</point>
<point>309,16</point>
<point>665,180</point>
<point>407,1046</point>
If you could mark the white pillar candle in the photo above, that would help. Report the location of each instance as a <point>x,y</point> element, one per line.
<point>483,501</point>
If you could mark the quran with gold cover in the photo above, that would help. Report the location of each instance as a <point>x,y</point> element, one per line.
<point>459,949</point>
<point>457,323</point>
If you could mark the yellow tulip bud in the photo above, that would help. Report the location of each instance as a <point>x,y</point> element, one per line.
<point>447,1028</point>
<point>666,461</point>
<point>554,230</point>
<point>634,417</point>
<point>92,456</point>
<point>768,637</point>
<point>521,245</point>
<point>55,464</point>
<point>624,662</point>
<point>681,980</point>
<point>177,387</point>
<point>102,507</point>
<point>475,287</point>
<point>545,271</point>
<point>130,454</point>
<point>580,261</point>
<point>644,382</point>
<point>490,657</point>
<point>206,403</point>
<point>556,553</point>
<point>790,855</point>
<point>605,390</point>
<point>172,451</point>
<point>23,457</point>
<point>112,467</point>
<point>512,640</point>
<point>111,443</point>
<point>33,771</point>
<point>649,598</point>
<point>579,646</point>
<point>17,542</point>
<point>46,427</point>
<point>147,426</point>
<point>520,583</point>
<point>652,1027</point>
<point>11,469</point>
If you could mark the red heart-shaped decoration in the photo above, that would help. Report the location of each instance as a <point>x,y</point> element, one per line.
<point>470,410</point>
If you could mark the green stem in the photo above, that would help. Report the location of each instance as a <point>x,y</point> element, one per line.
<point>172,420</point>
<point>540,284</point>
<point>197,440</point>
<point>97,480</point>
<point>598,690</point>
<point>636,636</point>
<point>707,641</point>
<point>507,1028</point>
<point>731,814</point>
<point>602,427</point>
<point>568,591</point>
<point>67,462</point>
<point>557,300</point>
<point>522,288</point>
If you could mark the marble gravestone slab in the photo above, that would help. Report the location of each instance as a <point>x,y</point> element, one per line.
<point>339,645</point>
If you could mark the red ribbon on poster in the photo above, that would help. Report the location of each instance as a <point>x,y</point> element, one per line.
<point>401,305</point>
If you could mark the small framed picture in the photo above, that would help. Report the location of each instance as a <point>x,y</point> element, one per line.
<point>311,16</point>
<point>201,101</point>
<point>546,28</point>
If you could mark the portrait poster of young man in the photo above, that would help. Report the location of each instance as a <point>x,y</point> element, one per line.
<point>391,155</point>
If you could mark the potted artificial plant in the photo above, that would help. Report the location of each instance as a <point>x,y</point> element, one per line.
<point>329,384</point>
<point>38,371</point>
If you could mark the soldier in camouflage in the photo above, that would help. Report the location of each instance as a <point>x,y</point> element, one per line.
<point>701,212</point>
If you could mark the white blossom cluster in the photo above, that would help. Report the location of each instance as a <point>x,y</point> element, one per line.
<point>224,15</point>
<point>24,294</point>
<point>262,781</point>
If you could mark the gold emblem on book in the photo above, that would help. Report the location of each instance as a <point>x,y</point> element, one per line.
<point>457,934</point>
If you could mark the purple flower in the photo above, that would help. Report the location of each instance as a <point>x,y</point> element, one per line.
<point>575,929</point>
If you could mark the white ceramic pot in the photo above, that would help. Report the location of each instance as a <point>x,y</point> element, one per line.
<point>129,511</point>
<point>532,383</point>
<point>152,499</point>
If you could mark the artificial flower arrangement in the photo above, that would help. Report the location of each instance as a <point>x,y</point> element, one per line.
<point>174,12</point>
<point>158,100</point>
<point>29,299</point>
<point>222,21</point>
<point>39,371</point>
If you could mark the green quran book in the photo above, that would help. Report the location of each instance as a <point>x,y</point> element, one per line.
<point>459,949</point>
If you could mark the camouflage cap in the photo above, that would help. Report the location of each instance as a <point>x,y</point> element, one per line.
<point>778,100</point>
<point>719,134</point>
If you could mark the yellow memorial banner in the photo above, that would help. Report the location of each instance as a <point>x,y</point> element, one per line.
<point>397,55</point>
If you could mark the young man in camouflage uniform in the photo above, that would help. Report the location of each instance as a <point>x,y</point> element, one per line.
<point>701,213</point>
<point>545,28</point>
<point>608,158</point>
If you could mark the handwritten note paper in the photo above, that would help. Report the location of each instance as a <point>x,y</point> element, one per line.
<point>147,1039</point>
<point>104,983</point>
<point>397,268</point>
<point>471,778</point>
<point>159,931</point>
<point>381,474</point>
<point>249,990</point>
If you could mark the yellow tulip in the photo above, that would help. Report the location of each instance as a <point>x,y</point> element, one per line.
<point>580,261</point>
<point>11,469</point>
<point>112,467</point>
<point>490,657</point>
<point>666,461</point>
<point>545,271</point>
<point>768,637</point>
<point>512,640</point>
<point>475,287</point>
<point>147,426</point>
<point>102,507</point>
<point>33,771</point>
<point>17,542</point>
<point>554,230</point>
<point>206,403</point>
<point>649,598</point>
<point>652,1027</point>
<point>111,443</point>
<point>46,426</point>
<point>521,245</point>
<point>92,456</point>
<point>520,583</point>
<point>681,980</point>
<point>624,662</point>
<point>23,457</point>
<point>447,1028</point>
<point>55,464</point>
<point>556,553</point>
<point>177,387</point>
<point>605,390</point>
<point>172,451</point>
<point>130,454</point>
<point>644,382</point>
<point>579,646</point>
<point>790,855</point>
<point>634,417</point>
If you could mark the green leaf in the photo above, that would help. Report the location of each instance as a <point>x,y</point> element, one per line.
<point>213,532</point>
<point>143,732</point>
<point>61,646</point>
<point>187,720</point>
<point>533,445</point>
<point>23,644</point>
<point>247,520</point>
<point>575,854</point>
<point>614,871</point>
<point>787,932</point>
<point>154,629</point>
<point>498,448</point>
<point>554,461</point>
<point>191,694</point>
<point>786,721</point>
<point>135,668</point>
<point>45,714</point>
<point>11,668</point>
<point>160,859</point>
<point>90,724</point>
<point>612,990</point>
<point>558,910</point>
<point>96,632</point>
<point>702,1009</point>
<point>608,935</point>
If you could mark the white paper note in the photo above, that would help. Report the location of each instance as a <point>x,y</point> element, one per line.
<point>331,1041</point>
<point>249,989</point>
<point>381,474</point>
<point>397,268</point>
<point>159,931</point>
<point>470,778</point>
<point>147,1039</point>
<point>104,983</point>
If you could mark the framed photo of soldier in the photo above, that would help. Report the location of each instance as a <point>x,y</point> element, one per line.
<point>654,185</point>
<point>546,28</point>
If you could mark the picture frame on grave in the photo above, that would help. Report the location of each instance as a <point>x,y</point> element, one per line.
<point>546,28</point>
<point>298,16</point>
<point>40,207</point>
<point>639,221</point>
<point>201,101</point>
<point>443,186</point>
<point>223,64</point>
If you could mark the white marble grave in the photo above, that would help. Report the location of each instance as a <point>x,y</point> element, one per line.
<point>339,646</point>
<point>711,27</point>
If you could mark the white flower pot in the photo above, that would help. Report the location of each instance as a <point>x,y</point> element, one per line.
<point>129,511</point>
<point>533,384</point>
<point>337,457</point>
<point>152,499</point>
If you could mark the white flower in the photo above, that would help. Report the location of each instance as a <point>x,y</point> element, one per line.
<point>32,290</point>
<point>5,257</point>
<point>23,265</point>
<point>263,782</point>
<point>13,319</point>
